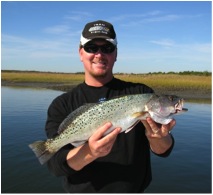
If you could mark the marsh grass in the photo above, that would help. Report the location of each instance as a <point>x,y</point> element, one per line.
<point>41,77</point>
<point>169,81</point>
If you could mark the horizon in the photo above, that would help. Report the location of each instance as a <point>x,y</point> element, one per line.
<point>170,72</point>
<point>152,36</point>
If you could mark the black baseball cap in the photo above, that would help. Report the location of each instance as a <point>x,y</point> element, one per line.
<point>98,30</point>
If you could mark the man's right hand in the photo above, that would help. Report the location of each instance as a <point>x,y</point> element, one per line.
<point>97,146</point>
<point>101,145</point>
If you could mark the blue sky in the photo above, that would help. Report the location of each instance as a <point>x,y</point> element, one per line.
<point>152,36</point>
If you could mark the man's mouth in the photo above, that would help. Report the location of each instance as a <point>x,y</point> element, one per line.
<point>100,63</point>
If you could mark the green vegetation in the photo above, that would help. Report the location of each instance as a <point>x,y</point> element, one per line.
<point>171,81</point>
<point>204,73</point>
<point>40,77</point>
<point>188,80</point>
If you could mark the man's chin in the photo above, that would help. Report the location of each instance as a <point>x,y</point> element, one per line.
<point>100,74</point>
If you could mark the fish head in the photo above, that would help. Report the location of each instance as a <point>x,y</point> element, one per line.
<point>163,108</point>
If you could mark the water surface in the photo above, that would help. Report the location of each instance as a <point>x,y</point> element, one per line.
<point>186,170</point>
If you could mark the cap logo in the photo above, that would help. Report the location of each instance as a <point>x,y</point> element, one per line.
<point>99,29</point>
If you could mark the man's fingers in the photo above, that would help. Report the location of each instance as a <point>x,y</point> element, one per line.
<point>111,136</point>
<point>156,130</point>
<point>101,145</point>
<point>100,131</point>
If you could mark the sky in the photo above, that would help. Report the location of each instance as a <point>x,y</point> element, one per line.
<point>153,36</point>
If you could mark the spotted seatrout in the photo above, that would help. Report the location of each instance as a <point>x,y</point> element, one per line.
<point>124,112</point>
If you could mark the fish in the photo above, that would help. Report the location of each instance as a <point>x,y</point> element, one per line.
<point>124,112</point>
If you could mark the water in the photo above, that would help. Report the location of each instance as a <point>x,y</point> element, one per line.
<point>186,170</point>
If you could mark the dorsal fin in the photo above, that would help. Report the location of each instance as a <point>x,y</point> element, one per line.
<point>116,97</point>
<point>73,115</point>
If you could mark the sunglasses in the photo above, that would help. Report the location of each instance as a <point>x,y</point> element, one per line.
<point>92,48</point>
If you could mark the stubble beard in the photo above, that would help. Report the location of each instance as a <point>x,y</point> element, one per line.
<point>101,75</point>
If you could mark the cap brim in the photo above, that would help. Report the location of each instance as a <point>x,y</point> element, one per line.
<point>84,40</point>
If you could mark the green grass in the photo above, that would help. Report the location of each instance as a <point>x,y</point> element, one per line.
<point>41,77</point>
<point>169,81</point>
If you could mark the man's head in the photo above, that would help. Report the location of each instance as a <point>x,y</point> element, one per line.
<point>98,50</point>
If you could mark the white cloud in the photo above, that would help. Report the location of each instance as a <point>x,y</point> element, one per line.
<point>78,15</point>
<point>171,56</point>
<point>185,48</point>
<point>164,42</point>
<point>14,46</point>
<point>58,29</point>
<point>150,17</point>
<point>126,17</point>
<point>169,17</point>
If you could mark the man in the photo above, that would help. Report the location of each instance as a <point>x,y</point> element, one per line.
<point>117,162</point>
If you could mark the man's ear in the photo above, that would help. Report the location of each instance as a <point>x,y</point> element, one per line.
<point>80,54</point>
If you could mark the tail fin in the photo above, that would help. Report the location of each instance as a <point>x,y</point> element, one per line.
<point>41,151</point>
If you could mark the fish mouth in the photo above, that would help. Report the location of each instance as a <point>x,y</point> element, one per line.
<point>179,107</point>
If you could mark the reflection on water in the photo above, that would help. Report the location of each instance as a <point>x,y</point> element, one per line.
<point>186,170</point>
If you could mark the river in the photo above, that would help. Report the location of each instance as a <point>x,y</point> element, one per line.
<point>186,170</point>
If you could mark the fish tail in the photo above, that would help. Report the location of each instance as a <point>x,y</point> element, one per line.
<point>41,151</point>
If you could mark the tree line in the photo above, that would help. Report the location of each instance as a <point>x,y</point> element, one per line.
<point>200,73</point>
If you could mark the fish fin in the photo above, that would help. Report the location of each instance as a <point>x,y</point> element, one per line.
<point>78,143</point>
<point>118,96</point>
<point>73,115</point>
<point>140,114</point>
<point>41,151</point>
<point>86,106</point>
<point>131,127</point>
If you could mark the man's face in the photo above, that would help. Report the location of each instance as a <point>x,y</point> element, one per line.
<point>97,61</point>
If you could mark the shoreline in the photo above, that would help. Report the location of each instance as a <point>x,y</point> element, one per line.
<point>186,94</point>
